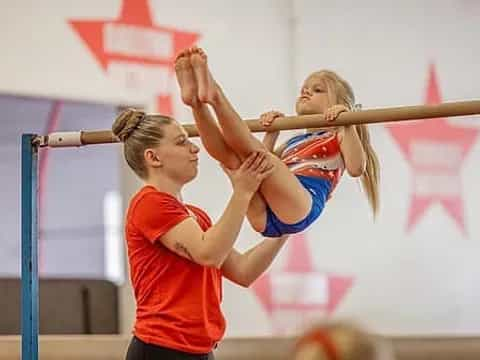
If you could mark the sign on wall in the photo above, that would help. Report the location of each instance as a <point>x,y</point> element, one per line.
<point>135,52</point>
<point>435,150</point>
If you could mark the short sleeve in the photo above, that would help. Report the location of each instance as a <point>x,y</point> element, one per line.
<point>156,213</point>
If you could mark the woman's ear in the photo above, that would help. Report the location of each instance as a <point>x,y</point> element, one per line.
<point>152,158</point>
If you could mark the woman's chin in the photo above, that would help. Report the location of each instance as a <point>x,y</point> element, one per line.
<point>192,176</point>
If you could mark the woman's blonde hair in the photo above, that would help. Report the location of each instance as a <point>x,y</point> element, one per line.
<point>335,341</point>
<point>340,92</point>
<point>138,132</point>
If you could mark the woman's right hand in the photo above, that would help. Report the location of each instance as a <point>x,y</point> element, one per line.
<point>248,177</point>
<point>268,118</point>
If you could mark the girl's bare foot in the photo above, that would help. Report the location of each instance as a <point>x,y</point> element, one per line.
<point>207,88</point>
<point>186,78</point>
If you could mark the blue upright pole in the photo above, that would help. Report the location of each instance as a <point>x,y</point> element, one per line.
<point>29,248</point>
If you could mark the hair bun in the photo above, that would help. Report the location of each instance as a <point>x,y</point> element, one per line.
<point>126,122</point>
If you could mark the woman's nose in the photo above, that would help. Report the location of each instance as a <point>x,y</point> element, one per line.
<point>195,149</point>
<point>304,91</point>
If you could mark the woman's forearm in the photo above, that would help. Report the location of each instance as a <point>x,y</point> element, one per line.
<point>219,239</point>
<point>255,261</point>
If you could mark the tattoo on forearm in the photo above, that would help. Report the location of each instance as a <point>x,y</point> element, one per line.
<point>182,249</point>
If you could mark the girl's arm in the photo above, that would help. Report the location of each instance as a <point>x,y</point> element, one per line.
<point>350,145</point>
<point>270,138</point>
<point>244,269</point>
<point>352,150</point>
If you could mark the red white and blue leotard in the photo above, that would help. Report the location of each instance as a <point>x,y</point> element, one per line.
<point>315,155</point>
<point>315,158</point>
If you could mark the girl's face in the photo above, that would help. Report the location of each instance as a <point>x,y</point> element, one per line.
<point>314,97</point>
<point>176,156</point>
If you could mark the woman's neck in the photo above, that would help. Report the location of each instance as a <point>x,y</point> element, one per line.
<point>166,185</point>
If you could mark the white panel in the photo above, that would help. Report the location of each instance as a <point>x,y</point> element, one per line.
<point>422,280</point>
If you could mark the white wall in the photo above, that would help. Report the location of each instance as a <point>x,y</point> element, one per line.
<point>43,56</point>
<point>417,282</point>
<point>422,281</point>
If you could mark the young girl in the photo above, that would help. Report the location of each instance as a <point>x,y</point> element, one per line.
<point>308,167</point>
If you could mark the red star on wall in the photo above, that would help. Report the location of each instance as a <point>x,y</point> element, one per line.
<point>298,288</point>
<point>435,151</point>
<point>135,39</point>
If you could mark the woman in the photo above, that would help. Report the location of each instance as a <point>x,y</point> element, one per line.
<point>177,257</point>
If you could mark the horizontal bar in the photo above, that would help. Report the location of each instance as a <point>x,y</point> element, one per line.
<point>373,116</point>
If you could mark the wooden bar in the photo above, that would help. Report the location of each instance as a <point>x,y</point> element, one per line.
<point>373,116</point>
<point>98,137</point>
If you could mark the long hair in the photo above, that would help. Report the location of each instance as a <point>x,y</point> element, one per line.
<point>340,92</point>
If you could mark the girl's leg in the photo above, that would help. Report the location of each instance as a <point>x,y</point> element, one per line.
<point>235,131</point>
<point>282,191</point>
<point>219,150</point>
<point>211,136</point>
<point>257,212</point>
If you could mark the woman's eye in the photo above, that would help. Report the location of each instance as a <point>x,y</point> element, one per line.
<point>318,90</point>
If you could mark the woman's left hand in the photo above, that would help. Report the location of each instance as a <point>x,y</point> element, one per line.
<point>332,112</point>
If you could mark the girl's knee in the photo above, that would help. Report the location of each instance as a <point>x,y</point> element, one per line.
<point>258,221</point>
<point>258,226</point>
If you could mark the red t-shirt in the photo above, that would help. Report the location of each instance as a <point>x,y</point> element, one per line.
<point>178,301</point>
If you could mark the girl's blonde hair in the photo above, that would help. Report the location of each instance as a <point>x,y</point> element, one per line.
<point>339,341</point>
<point>138,132</point>
<point>340,92</point>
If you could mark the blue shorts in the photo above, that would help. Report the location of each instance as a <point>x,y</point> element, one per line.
<point>319,189</point>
